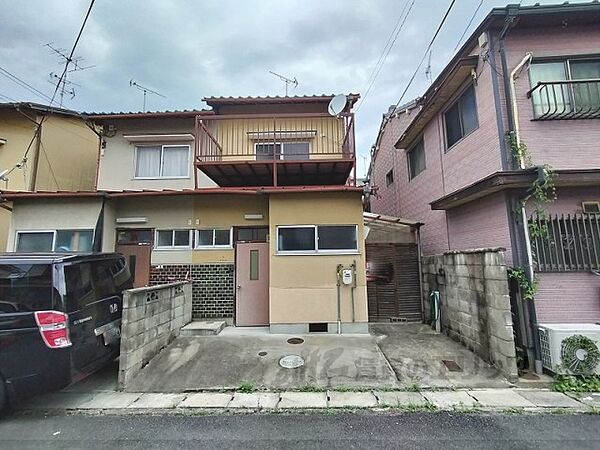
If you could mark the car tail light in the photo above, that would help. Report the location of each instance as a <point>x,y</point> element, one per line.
<point>54,328</point>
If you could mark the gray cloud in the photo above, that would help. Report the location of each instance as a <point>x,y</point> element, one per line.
<point>190,49</point>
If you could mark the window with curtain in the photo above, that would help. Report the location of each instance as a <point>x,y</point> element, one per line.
<point>461,117</point>
<point>576,97</point>
<point>42,241</point>
<point>416,159</point>
<point>61,241</point>
<point>162,161</point>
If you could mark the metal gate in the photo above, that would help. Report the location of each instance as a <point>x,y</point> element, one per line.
<point>393,282</point>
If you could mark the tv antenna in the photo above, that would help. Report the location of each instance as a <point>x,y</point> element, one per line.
<point>428,72</point>
<point>73,64</point>
<point>145,90</point>
<point>287,81</point>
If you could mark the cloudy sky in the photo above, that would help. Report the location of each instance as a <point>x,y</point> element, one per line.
<point>188,49</point>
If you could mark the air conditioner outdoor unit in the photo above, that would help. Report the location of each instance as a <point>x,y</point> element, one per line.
<point>571,347</point>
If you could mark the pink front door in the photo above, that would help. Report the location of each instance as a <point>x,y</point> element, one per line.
<point>252,283</point>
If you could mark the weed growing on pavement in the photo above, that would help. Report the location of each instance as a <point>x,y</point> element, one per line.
<point>413,387</point>
<point>594,410</point>
<point>574,383</point>
<point>513,411</point>
<point>462,408</point>
<point>311,388</point>
<point>246,388</point>
<point>418,407</point>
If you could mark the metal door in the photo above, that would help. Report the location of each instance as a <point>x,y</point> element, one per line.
<point>252,283</point>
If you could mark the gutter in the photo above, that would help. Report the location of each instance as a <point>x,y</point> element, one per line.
<point>512,13</point>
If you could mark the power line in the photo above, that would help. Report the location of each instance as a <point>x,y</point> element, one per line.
<point>68,61</point>
<point>425,53</point>
<point>23,84</point>
<point>6,97</point>
<point>386,49</point>
<point>469,24</point>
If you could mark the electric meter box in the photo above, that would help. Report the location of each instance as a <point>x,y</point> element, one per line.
<point>347,276</point>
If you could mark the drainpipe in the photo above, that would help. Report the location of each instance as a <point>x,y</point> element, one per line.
<point>420,263</point>
<point>352,290</point>
<point>339,314</point>
<point>521,161</point>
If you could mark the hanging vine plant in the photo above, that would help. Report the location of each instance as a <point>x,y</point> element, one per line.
<point>528,287</point>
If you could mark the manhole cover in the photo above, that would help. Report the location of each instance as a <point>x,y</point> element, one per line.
<point>291,362</point>
<point>451,365</point>
<point>262,353</point>
<point>295,341</point>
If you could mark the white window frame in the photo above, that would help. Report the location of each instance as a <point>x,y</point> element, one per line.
<point>282,146</point>
<point>162,156</point>
<point>173,247</point>
<point>19,232</point>
<point>318,251</point>
<point>213,246</point>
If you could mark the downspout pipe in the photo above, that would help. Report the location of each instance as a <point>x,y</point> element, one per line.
<point>522,165</point>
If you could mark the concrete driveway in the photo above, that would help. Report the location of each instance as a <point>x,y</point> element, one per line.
<point>393,356</point>
<point>416,353</point>
<point>235,357</point>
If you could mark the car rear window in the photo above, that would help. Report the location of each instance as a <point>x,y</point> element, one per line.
<point>92,281</point>
<point>25,287</point>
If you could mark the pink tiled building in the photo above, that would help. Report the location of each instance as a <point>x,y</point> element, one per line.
<point>530,75</point>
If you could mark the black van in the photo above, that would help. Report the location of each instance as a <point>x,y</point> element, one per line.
<point>60,319</point>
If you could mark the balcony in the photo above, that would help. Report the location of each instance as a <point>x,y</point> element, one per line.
<point>276,150</point>
<point>563,100</point>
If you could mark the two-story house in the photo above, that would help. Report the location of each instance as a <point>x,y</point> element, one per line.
<point>253,200</point>
<point>467,158</point>
<point>32,159</point>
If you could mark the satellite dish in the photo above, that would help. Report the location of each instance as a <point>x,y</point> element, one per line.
<point>337,105</point>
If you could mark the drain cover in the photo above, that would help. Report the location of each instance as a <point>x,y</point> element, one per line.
<point>262,353</point>
<point>451,365</point>
<point>291,362</point>
<point>295,340</point>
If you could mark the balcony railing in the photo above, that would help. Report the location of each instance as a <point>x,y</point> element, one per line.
<point>572,99</point>
<point>289,148</point>
<point>568,243</point>
<point>283,137</point>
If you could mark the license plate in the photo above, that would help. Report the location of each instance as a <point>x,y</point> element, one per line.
<point>111,336</point>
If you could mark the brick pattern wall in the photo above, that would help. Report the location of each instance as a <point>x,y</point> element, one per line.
<point>213,293</point>
<point>475,303</point>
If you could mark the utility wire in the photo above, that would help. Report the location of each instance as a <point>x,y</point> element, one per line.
<point>23,84</point>
<point>7,98</point>
<point>67,62</point>
<point>469,24</point>
<point>386,49</point>
<point>424,55</point>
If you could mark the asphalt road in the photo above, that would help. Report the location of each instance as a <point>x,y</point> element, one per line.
<point>322,431</point>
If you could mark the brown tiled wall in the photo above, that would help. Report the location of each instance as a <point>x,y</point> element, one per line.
<point>212,289</point>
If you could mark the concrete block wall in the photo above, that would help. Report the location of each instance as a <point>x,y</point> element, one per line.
<point>152,317</point>
<point>213,293</point>
<point>475,303</point>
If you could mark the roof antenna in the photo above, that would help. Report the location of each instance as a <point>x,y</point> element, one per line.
<point>286,80</point>
<point>73,65</point>
<point>145,90</point>
<point>428,72</point>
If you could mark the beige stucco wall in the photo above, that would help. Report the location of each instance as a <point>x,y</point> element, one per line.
<point>68,155</point>
<point>66,159</point>
<point>303,287</point>
<point>53,214</point>
<point>117,160</point>
<point>221,211</point>
<point>235,135</point>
